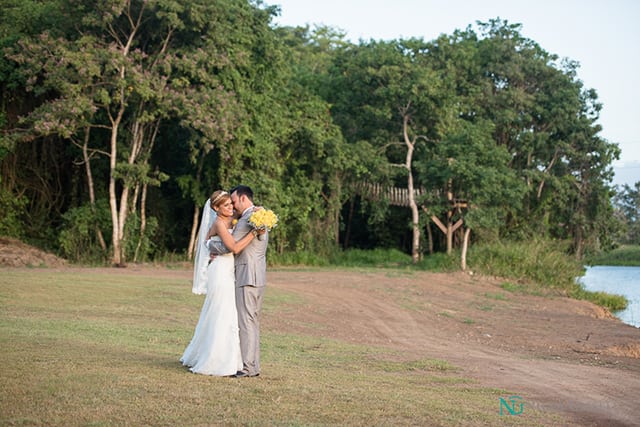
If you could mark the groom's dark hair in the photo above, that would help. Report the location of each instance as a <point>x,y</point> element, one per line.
<point>242,190</point>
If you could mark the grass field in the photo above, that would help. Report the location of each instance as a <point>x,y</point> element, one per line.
<point>98,349</point>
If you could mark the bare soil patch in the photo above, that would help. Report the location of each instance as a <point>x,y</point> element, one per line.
<point>14,253</point>
<point>560,355</point>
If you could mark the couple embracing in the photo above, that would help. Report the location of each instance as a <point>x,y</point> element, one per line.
<point>230,267</point>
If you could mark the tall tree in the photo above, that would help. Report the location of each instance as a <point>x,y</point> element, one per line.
<point>117,74</point>
<point>387,95</point>
<point>627,204</point>
<point>316,161</point>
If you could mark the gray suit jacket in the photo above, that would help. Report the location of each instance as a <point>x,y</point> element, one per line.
<point>251,263</point>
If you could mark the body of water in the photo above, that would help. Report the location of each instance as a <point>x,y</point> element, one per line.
<point>617,280</point>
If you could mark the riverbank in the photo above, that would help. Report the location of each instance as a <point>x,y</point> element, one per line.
<point>616,280</point>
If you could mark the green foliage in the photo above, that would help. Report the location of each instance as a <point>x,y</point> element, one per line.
<point>539,261</point>
<point>79,242</point>
<point>6,144</point>
<point>627,205</point>
<point>78,236</point>
<point>626,255</point>
<point>611,302</point>
<point>212,94</point>
<point>357,258</point>
<point>139,243</point>
<point>440,262</point>
<point>12,209</point>
<point>539,266</point>
<point>367,258</point>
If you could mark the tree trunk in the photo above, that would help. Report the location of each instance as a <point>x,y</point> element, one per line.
<point>92,195</point>
<point>415,214</point>
<point>119,216</point>
<point>116,257</point>
<point>196,209</point>
<point>143,220</point>
<point>449,217</point>
<point>429,232</point>
<point>465,246</point>
<point>123,213</point>
<point>449,238</point>
<point>194,231</point>
<point>415,219</point>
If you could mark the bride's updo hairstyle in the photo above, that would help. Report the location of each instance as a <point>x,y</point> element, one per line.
<point>218,198</point>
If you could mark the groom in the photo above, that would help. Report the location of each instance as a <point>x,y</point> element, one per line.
<point>251,279</point>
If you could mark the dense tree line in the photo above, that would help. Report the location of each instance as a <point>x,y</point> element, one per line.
<point>120,117</point>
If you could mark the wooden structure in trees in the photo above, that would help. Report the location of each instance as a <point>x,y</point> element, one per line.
<point>448,228</point>
<point>400,197</point>
<point>395,195</point>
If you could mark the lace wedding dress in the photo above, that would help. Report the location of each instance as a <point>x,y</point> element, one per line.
<point>215,346</point>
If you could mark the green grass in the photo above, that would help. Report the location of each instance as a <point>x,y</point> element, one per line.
<point>93,349</point>
<point>367,258</point>
<point>624,256</point>
<point>612,302</point>
<point>524,288</point>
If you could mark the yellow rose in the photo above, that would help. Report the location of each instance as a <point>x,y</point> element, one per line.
<point>263,219</point>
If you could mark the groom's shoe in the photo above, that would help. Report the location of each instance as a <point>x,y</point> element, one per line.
<point>243,374</point>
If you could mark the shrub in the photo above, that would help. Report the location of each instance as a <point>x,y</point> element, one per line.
<point>623,256</point>
<point>78,238</point>
<point>541,261</point>
<point>12,209</point>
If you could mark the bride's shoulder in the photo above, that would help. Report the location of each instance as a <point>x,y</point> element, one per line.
<point>217,225</point>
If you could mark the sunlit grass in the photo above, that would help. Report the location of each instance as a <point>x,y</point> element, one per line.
<point>103,350</point>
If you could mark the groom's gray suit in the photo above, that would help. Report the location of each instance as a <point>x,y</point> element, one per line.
<point>251,279</point>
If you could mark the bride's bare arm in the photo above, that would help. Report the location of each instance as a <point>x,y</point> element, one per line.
<point>230,242</point>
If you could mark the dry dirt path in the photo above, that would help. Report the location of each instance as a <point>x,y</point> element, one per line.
<point>559,354</point>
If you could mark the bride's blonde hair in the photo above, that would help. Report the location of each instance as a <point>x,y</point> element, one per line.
<point>218,198</point>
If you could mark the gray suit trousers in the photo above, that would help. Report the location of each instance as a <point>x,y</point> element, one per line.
<point>249,303</point>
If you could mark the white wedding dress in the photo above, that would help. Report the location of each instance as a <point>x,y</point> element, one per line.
<point>215,346</point>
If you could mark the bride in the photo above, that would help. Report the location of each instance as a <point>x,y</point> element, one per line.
<point>215,346</point>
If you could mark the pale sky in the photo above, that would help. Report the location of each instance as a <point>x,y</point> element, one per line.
<point>603,36</point>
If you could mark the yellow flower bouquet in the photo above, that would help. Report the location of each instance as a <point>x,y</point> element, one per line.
<point>263,219</point>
